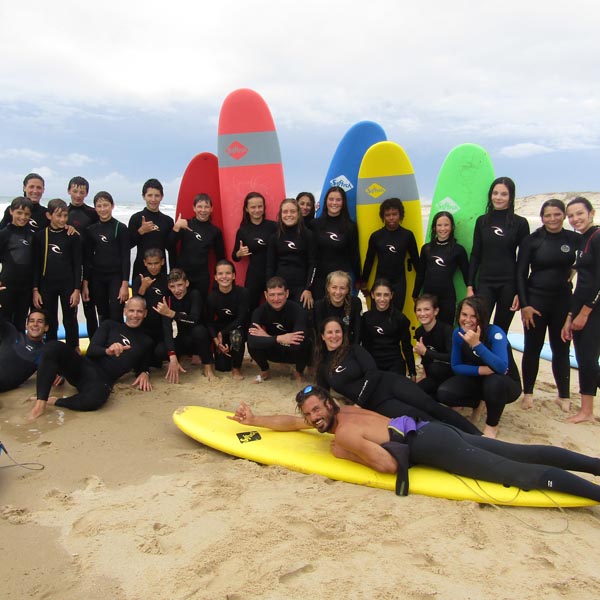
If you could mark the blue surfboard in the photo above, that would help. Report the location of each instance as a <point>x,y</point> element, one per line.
<point>343,170</point>
<point>517,341</point>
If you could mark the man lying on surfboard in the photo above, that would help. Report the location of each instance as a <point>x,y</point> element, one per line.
<point>391,446</point>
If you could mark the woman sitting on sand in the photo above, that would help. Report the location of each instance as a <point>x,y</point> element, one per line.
<point>352,372</point>
<point>485,370</point>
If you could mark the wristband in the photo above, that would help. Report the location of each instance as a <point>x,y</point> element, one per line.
<point>171,353</point>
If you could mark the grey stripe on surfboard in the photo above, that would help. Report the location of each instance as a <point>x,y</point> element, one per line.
<point>245,149</point>
<point>394,186</point>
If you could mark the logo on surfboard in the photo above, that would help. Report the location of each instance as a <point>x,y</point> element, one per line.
<point>375,190</point>
<point>248,436</point>
<point>236,150</point>
<point>341,181</point>
<point>448,205</point>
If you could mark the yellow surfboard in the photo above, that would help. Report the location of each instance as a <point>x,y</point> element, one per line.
<point>386,172</point>
<point>309,452</point>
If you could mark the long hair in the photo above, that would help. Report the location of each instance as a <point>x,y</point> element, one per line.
<point>281,226</point>
<point>436,217</point>
<point>510,184</point>
<point>482,313</point>
<point>344,214</point>
<point>249,196</point>
<point>348,298</point>
<point>322,354</point>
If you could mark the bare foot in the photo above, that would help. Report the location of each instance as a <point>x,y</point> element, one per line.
<point>581,417</point>
<point>490,432</point>
<point>52,400</point>
<point>477,413</point>
<point>196,360</point>
<point>298,377</point>
<point>527,401</point>
<point>236,375</point>
<point>38,410</point>
<point>262,376</point>
<point>209,372</point>
<point>564,404</point>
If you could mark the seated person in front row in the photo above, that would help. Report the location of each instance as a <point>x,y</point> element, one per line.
<point>115,349</point>
<point>391,446</point>
<point>184,308</point>
<point>277,331</point>
<point>227,320</point>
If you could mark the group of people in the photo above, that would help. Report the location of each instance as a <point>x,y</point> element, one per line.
<point>299,303</point>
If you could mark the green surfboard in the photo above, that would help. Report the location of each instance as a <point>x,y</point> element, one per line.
<point>461,189</point>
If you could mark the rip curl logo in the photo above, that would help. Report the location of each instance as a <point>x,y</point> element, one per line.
<point>375,190</point>
<point>448,205</point>
<point>25,242</point>
<point>498,231</point>
<point>260,241</point>
<point>125,341</point>
<point>155,228</point>
<point>227,311</point>
<point>341,181</point>
<point>236,150</point>
<point>378,329</point>
<point>55,248</point>
<point>333,236</point>
<point>565,248</point>
<point>291,245</point>
<point>279,326</point>
<point>33,223</point>
<point>158,291</point>
<point>392,249</point>
<point>439,261</point>
<point>103,238</point>
<point>29,347</point>
<point>198,237</point>
<point>248,436</point>
<point>340,369</point>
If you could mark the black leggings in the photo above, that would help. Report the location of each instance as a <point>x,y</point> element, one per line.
<point>295,355</point>
<point>495,390</point>
<point>554,312</point>
<point>530,467</point>
<point>50,297</point>
<point>80,372</point>
<point>587,350</point>
<point>15,303</point>
<point>435,374</point>
<point>104,289</point>
<point>394,393</point>
<point>188,341</point>
<point>501,296</point>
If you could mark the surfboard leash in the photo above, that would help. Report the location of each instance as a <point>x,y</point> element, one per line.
<point>31,466</point>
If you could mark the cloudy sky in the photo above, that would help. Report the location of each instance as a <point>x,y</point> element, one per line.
<point>122,91</point>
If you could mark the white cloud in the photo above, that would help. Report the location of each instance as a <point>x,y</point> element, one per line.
<point>75,160</point>
<point>21,154</point>
<point>525,149</point>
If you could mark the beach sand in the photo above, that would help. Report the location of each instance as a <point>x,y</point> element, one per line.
<point>128,507</point>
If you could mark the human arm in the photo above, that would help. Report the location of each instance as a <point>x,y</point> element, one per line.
<point>420,275</point>
<point>173,369</point>
<point>142,382</point>
<point>245,416</point>
<point>350,444</point>
<point>496,356</point>
<point>406,345</point>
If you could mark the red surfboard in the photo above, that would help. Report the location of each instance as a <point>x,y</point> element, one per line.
<point>249,161</point>
<point>201,177</point>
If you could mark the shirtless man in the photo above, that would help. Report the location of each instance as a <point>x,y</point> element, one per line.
<point>374,440</point>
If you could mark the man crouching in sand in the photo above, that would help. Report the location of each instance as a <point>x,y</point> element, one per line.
<point>115,349</point>
<point>391,446</point>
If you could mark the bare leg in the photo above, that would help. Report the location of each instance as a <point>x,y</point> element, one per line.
<point>299,377</point>
<point>477,413</point>
<point>262,376</point>
<point>490,432</point>
<point>209,372</point>
<point>38,410</point>
<point>236,374</point>
<point>564,404</point>
<point>196,359</point>
<point>527,401</point>
<point>586,412</point>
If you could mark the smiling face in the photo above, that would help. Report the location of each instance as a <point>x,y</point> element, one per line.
<point>580,218</point>
<point>305,204</point>
<point>104,209</point>
<point>178,288</point>
<point>467,318</point>
<point>277,297</point>
<point>391,219</point>
<point>332,335</point>
<point>289,214</point>
<point>58,219</point>
<point>36,326</point>
<point>20,216</point>
<point>338,290</point>
<point>382,297</point>
<point>318,413</point>
<point>153,198</point>
<point>553,219</point>
<point>256,210</point>
<point>500,197</point>
<point>426,313</point>
<point>203,210</point>
<point>443,228</point>
<point>78,194</point>
<point>134,312</point>
<point>224,276</point>
<point>334,204</point>
<point>34,190</point>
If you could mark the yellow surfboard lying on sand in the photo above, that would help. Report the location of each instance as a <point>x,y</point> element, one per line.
<point>308,452</point>
<point>386,172</point>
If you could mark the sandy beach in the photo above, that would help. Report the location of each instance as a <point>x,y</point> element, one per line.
<point>128,507</point>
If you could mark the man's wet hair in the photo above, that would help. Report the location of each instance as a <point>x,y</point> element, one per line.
<point>276,282</point>
<point>315,390</point>
<point>154,184</point>
<point>79,181</point>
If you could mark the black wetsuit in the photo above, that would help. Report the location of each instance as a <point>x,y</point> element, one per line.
<point>162,237</point>
<point>587,293</point>
<point>227,313</point>
<point>352,322</point>
<point>468,388</point>
<point>337,250</point>
<point>106,266</point>
<point>256,237</point>
<point>192,335</point>
<point>391,249</point>
<point>194,252</point>
<point>291,318</point>
<point>57,274</point>
<point>16,256</point>
<point>357,378</point>
<point>436,360</point>
<point>524,466</point>
<point>37,221</point>
<point>94,374</point>
<point>387,337</point>
<point>493,266</point>
<point>19,356</point>
<point>543,282</point>
<point>293,257</point>
<point>154,323</point>
<point>439,262</point>
<point>81,217</point>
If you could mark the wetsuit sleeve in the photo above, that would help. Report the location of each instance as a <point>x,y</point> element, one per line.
<point>99,341</point>
<point>372,375</point>
<point>496,356</point>
<point>6,219</point>
<point>38,257</point>
<point>322,379</point>
<point>311,258</point>
<point>420,276</point>
<point>456,360</point>
<point>439,354</point>
<point>76,260</point>
<point>299,318</point>
<point>125,252</point>
<point>523,262</point>
<point>355,251</point>
<point>219,246</point>
<point>369,258</point>
<point>594,296</point>
<point>243,308</point>
<point>463,262</point>
<point>413,253</point>
<point>405,344</point>
<point>261,342</point>
<point>193,316</point>
<point>271,257</point>
<point>355,320</point>
<point>475,253</point>
<point>236,245</point>
<point>211,309</point>
<point>135,223</point>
